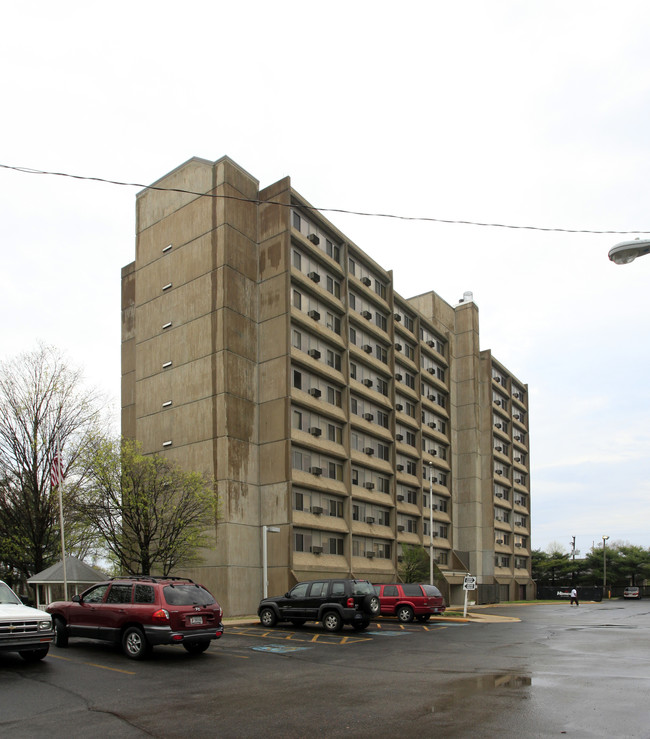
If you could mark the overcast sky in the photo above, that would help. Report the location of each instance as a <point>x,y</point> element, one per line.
<point>498,112</point>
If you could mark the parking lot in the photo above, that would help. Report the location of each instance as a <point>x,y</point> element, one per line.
<point>581,671</point>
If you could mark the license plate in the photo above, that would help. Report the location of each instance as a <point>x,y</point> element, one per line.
<point>196,619</point>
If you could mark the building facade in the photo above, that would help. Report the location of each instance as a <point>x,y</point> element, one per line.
<point>263,347</point>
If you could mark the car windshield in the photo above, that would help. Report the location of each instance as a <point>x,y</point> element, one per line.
<point>362,587</point>
<point>7,596</point>
<point>187,595</point>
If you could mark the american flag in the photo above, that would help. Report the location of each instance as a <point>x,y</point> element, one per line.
<point>57,471</point>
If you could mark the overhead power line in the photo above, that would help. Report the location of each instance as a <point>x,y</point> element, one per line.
<point>429,219</point>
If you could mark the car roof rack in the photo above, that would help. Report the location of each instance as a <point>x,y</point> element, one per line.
<point>153,578</point>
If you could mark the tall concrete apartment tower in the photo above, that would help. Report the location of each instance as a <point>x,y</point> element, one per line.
<point>263,347</point>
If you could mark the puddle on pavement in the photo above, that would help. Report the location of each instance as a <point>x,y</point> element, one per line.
<point>468,687</point>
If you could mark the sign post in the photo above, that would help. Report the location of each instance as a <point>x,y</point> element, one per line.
<point>469,583</point>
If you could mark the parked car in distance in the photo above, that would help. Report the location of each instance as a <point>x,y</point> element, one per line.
<point>408,601</point>
<point>139,613</point>
<point>25,630</point>
<point>632,592</point>
<point>333,602</point>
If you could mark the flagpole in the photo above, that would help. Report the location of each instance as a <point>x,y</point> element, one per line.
<point>59,478</point>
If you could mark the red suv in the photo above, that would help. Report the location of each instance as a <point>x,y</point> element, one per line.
<point>140,612</point>
<point>410,600</point>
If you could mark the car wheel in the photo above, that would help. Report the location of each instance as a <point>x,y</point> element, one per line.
<point>332,621</point>
<point>371,605</point>
<point>298,621</point>
<point>268,617</point>
<point>424,618</point>
<point>60,634</point>
<point>405,614</point>
<point>196,647</point>
<point>33,655</point>
<point>135,644</point>
<point>361,625</point>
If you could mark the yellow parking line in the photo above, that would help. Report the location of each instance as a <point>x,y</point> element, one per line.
<point>112,669</point>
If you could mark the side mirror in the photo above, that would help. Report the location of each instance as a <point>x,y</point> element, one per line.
<point>287,595</point>
<point>76,599</point>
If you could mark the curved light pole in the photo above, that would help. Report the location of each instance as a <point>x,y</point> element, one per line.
<point>605,565</point>
<point>628,251</point>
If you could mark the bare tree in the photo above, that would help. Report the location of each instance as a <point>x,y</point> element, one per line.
<point>151,514</point>
<point>42,399</point>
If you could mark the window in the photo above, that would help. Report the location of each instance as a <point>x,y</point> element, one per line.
<point>382,419</point>
<point>301,543</point>
<point>410,438</point>
<point>297,379</point>
<point>334,433</point>
<point>411,526</point>
<point>333,323</point>
<point>334,396</point>
<point>334,360</point>
<point>336,508</point>
<point>119,594</point>
<point>381,353</point>
<point>353,370</point>
<point>408,323</point>
<point>352,300</point>
<point>335,545</point>
<point>380,289</point>
<point>296,339</point>
<point>297,259</point>
<point>383,484</point>
<point>296,221</point>
<point>382,386</point>
<point>352,266</point>
<point>383,518</point>
<point>409,351</point>
<point>334,471</point>
<point>356,513</point>
<point>412,496</point>
<point>383,451</point>
<point>332,250</point>
<point>296,420</point>
<point>411,467</point>
<point>334,287</point>
<point>353,336</point>
<point>409,380</point>
<point>297,300</point>
<point>380,321</point>
<point>144,594</point>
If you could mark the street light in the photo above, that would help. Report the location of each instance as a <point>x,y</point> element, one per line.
<point>628,251</point>
<point>605,565</point>
<point>265,531</point>
<point>431,523</point>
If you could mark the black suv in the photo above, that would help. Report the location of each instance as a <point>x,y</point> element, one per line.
<point>334,602</point>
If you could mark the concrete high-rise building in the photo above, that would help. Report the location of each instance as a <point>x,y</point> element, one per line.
<point>261,346</point>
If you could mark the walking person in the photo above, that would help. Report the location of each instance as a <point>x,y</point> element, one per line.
<point>574,597</point>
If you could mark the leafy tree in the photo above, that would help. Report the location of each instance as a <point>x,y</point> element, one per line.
<point>42,399</point>
<point>552,568</point>
<point>415,564</point>
<point>150,514</point>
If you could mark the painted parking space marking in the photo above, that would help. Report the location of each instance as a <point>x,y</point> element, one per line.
<point>91,664</point>
<point>299,636</point>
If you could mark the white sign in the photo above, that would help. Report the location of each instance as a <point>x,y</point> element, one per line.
<point>469,583</point>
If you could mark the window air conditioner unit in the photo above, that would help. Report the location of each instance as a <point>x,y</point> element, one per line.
<point>367,348</point>
<point>399,407</point>
<point>517,459</point>
<point>435,479</point>
<point>367,382</point>
<point>370,519</point>
<point>368,416</point>
<point>369,485</point>
<point>370,555</point>
<point>366,281</point>
<point>499,541</point>
<point>499,448</point>
<point>366,314</point>
<point>498,425</point>
<point>314,276</point>
<point>397,317</point>
<point>499,495</point>
<point>497,380</point>
<point>431,397</point>
<point>400,528</point>
<point>431,424</point>
<point>431,343</point>
<point>497,402</point>
<point>518,417</point>
<point>316,509</point>
<point>316,550</point>
<point>432,452</point>
<point>399,437</point>
<point>400,497</point>
<point>398,377</point>
<point>399,467</point>
<point>368,450</point>
<point>519,481</point>
<point>315,431</point>
<point>315,240</point>
<point>398,347</point>
<point>431,370</point>
<point>316,470</point>
<point>434,507</point>
<point>518,544</point>
<point>315,392</point>
<point>314,353</point>
<point>314,314</point>
<point>518,438</point>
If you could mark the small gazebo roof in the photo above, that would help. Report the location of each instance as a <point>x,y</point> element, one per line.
<point>77,572</point>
